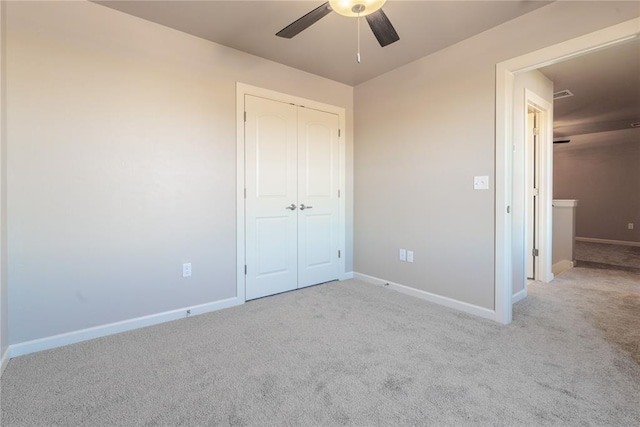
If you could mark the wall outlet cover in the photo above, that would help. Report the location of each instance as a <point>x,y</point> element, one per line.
<point>186,269</point>
<point>480,182</point>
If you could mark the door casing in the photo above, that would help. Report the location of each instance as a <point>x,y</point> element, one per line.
<point>543,209</point>
<point>242,90</point>
<point>531,227</point>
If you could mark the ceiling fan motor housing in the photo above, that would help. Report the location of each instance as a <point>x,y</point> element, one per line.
<point>355,8</point>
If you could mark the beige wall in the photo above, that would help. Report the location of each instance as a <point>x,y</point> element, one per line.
<point>423,131</point>
<point>122,164</point>
<point>601,170</point>
<point>539,84</point>
<point>564,233</point>
<point>4,320</point>
<point>121,161</point>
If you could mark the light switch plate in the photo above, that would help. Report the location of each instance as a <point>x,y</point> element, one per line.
<point>409,256</point>
<point>402,254</point>
<point>480,182</point>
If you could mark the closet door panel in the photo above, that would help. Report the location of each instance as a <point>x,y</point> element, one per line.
<point>318,203</point>
<point>271,223</point>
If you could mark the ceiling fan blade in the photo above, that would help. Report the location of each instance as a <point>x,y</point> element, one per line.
<point>382,28</point>
<point>305,22</point>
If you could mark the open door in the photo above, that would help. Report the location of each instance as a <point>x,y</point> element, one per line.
<point>532,186</point>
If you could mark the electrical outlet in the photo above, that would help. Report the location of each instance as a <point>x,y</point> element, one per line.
<point>409,256</point>
<point>402,254</point>
<point>186,269</point>
<point>630,226</point>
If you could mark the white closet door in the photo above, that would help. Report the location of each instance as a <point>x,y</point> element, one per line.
<point>292,204</point>
<point>271,201</point>
<point>318,180</point>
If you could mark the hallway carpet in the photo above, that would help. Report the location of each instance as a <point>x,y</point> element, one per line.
<point>604,255</point>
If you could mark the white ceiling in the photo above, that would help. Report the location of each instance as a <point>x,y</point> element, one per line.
<point>606,84</point>
<point>328,48</point>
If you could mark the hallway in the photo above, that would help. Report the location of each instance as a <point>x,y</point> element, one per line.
<point>606,256</point>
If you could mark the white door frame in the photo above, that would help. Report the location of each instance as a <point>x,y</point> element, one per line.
<point>544,208</point>
<point>505,192</point>
<point>531,161</point>
<point>242,90</point>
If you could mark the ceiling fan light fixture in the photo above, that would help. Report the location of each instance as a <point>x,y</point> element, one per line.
<point>355,8</point>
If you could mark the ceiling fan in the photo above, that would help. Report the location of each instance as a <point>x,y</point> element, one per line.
<point>371,9</point>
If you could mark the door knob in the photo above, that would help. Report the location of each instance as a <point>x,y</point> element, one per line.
<point>292,207</point>
<point>303,207</point>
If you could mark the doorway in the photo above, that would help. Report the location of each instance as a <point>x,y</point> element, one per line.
<point>532,186</point>
<point>291,210</point>
<point>505,191</point>
<point>538,187</point>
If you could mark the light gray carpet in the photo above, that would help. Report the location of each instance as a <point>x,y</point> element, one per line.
<point>351,353</point>
<point>604,255</point>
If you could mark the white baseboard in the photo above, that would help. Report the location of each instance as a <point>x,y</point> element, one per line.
<point>4,360</point>
<point>519,296</point>
<point>562,266</point>
<point>47,343</point>
<point>347,275</point>
<point>607,241</point>
<point>428,296</point>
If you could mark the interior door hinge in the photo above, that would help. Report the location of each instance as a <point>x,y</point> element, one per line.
<point>245,269</point>
<point>338,192</point>
<point>338,133</point>
<point>245,193</point>
<point>535,131</point>
<point>245,116</point>
<point>338,253</point>
<point>534,252</point>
